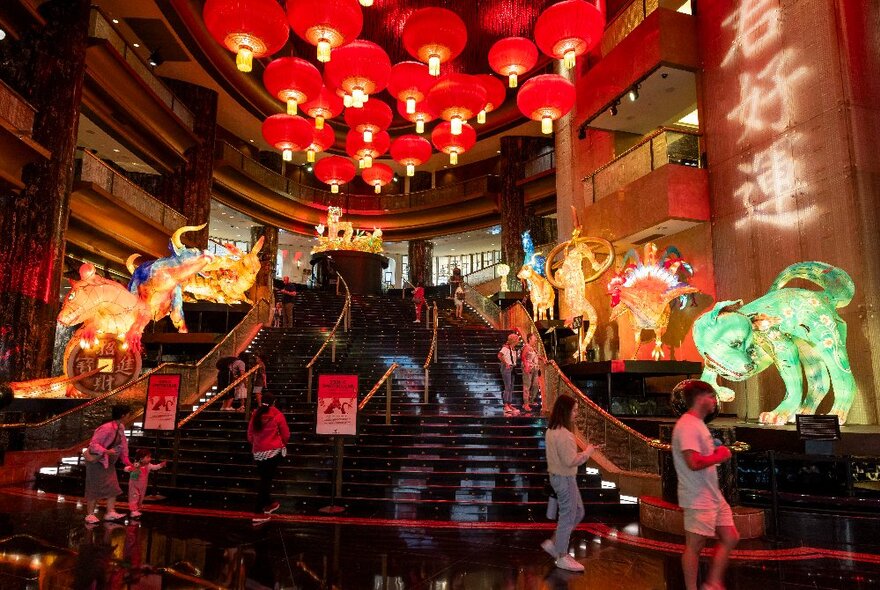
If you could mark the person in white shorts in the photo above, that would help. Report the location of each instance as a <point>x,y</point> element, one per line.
<point>706,513</point>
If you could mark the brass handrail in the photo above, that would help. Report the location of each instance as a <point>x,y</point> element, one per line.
<point>47,385</point>
<point>219,395</point>
<point>432,353</point>
<point>384,379</point>
<point>344,315</point>
<point>484,306</point>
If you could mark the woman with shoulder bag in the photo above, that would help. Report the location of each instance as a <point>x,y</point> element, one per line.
<point>268,434</point>
<point>108,445</point>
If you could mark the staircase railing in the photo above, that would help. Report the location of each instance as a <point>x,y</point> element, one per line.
<point>386,379</point>
<point>345,320</point>
<point>77,424</point>
<point>432,353</point>
<point>48,387</point>
<point>484,306</point>
<point>219,395</point>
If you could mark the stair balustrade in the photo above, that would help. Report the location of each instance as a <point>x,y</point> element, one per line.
<point>386,379</point>
<point>344,319</point>
<point>432,353</point>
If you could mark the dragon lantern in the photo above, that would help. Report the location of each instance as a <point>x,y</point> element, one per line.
<point>349,240</point>
<point>645,288</point>
<point>226,279</point>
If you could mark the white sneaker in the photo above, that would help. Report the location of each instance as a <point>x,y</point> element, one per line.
<point>550,547</point>
<point>569,563</point>
<point>113,516</point>
<point>92,519</point>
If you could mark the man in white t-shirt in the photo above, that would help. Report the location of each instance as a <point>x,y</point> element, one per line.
<point>706,513</point>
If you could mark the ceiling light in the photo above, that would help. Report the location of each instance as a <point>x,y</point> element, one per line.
<point>116,150</point>
<point>634,93</point>
<point>613,109</point>
<point>115,21</point>
<point>135,45</point>
<point>2,34</point>
<point>252,141</point>
<point>155,60</point>
<point>309,169</point>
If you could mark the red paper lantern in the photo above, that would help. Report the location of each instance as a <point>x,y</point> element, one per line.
<point>373,117</point>
<point>287,133</point>
<point>326,24</point>
<point>360,69</point>
<point>434,36</point>
<point>495,94</point>
<point>410,82</point>
<point>334,170</point>
<point>325,105</point>
<point>457,98</point>
<point>423,115</point>
<point>568,29</point>
<point>513,57</point>
<point>378,175</point>
<point>322,140</point>
<point>546,98</point>
<point>364,152</point>
<point>293,81</point>
<point>451,143</point>
<point>248,28</point>
<point>411,151</point>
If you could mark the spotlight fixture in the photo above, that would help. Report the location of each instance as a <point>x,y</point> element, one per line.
<point>582,131</point>
<point>613,109</point>
<point>2,34</point>
<point>634,93</point>
<point>155,60</point>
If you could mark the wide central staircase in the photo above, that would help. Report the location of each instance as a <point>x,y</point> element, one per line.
<point>452,457</point>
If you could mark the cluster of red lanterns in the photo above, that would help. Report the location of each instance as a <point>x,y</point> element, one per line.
<point>356,69</point>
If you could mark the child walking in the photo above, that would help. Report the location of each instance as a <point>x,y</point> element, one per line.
<point>139,473</point>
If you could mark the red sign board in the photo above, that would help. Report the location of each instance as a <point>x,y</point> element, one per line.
<point>337,404</point>
<point>162,394</point>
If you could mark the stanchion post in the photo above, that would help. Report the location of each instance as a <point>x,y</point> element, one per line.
<point>333,349</point>
<point>336,489</point>
<point>426,384</point>
<point>388,401</point>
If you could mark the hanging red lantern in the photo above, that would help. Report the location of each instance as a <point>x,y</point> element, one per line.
<point>360,69</point>
<point>373,117</point>
<point>287,133</point>
<point>513,57</point>
<point>546,98</point>
<point>495,94</point>
<point>322,140</point>
<point>457,98</point>
<point>410,82</point>
<point>411,151</point>
<point>248,28</point>
<point>434,36</point>
<point>451,143</point>
<point>423,114</point>
<point>365,152</point>
<point>327,24</point>
<point>293,81</point>
<point>367,3</point>
<point>378,175</point>
<point>325,105</point>
<point>334,170</point>
<point>568,29</point>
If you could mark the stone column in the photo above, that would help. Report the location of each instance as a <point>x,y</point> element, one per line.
<point>421,258</point>
<point>46,67</point>
<point>263,285</point>
<point>189,189</point>
<point>515,151</point>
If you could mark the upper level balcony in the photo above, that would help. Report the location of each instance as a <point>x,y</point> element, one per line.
<point>246,185</point>
<point>17,148</point>
<point>113,217</point>
<point>130,102</point>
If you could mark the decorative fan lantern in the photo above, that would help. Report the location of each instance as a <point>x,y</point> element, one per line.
<point>253,28</point>
<point>568,29</point>
<point>326,105</point>
<point>287,133</point>
<point>335,171</point>
<point>546,98</point>
<point>434,36</point>
<point>457,98</point>
<point>360,69</point>
<point>378,175</point>
<point>322,140</point>
<point>495,95</point>
<point>513,57</point>
<point>453,144</point>
<point>410,82</point>
<point>364,152</point>
<point>292,80</point>
<point>423,115</point>
<point>373,117</point>
<point>411,151</point>
<point>327,24</point>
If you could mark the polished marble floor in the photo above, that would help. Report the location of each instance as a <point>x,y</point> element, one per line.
<point>45,544</point>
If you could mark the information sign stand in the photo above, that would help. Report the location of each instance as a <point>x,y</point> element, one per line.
<point>337,416</point>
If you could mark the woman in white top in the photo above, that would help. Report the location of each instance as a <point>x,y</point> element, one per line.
<point>563,460</point>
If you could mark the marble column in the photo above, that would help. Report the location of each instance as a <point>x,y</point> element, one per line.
<point>515,152</point>
<point>421,258</point>
<point>46,66</point>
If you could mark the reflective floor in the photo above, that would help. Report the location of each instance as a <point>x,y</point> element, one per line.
<point>45,544</point>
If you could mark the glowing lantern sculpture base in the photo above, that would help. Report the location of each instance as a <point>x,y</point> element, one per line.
<point>340,235</point>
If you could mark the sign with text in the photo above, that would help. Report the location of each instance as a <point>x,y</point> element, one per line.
<point>337,404</point>
<point>162,394</point>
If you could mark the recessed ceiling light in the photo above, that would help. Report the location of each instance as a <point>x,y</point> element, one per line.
<point>135,45</point>
<point>498,152</point>
<point>115,21</point>
<point>252,141</point>
<point>116,150</point>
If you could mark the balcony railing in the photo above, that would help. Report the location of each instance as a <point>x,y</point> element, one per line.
<point>663,146</point>
<point>14,109</point>
<point>308,195</point>
<point>100,28</point>
<point>543,163</point>
<point>90,168</point>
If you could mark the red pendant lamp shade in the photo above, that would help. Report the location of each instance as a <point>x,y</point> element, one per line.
<point>334,170</point>
<point>378,175</point>
<point>326,105</point>
<point>293,81</point>
<point>326,24</point>
<point>322,140</point>
<point>513,57</point>
<point>360,69</point>
<point>373,117</point>
<point>434,36</point>
<point>287,133</point>
<point>365,152</point>
<point>423,114</point>
<point>409,83</point>
<point>568,29</point>
<point>248,28</point>
<point>457,98</point>
<point>495,94</point>
<point>453,144</point>
<point>411,151</point>
<point>546,98</point>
